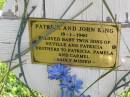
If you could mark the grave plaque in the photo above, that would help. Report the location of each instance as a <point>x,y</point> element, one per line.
<point>78,43</point>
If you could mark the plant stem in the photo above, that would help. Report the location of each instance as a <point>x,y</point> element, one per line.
<point>72,94</point>
<point>102,76</point>
<point>62,90</point>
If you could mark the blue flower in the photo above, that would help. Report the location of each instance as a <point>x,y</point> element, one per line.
<point>58,71</point>
<point>72,84</point>
<point>85,96</point>
<point>88,96</point>
<point>62,95</point>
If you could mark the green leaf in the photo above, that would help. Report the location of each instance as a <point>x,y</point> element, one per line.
<point>2,3</point>
<point>13,86</point>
